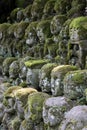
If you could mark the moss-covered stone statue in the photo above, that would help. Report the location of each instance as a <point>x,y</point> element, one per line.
<point>56,24</point>
<point>32,77</point>
<point>53,111</point>
<point>45,77</point>
<point>78,39</point>
<point>75,84</point>
<point>75,119</point>
<point>62,6</point>
<point>31,35</point>
<point>77,8</point>
<point>43,30</point>
<point>6,64</point>
<point>14,70</point>
<point>37,8</point>
<point>4,41</point>
<point>48,10</point>
<point>57,76</point>
<point>33,111</point>
<point>27,13</point>
<point>9,113</point>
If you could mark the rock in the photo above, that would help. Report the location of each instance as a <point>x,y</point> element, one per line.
<point>56,24</point>
<point>37,8</point>
<point>75,84</point>
<point>14,70</point>
<point>33,111</point>
<point>43,30</point>
<point>48,10</point>
<point>6,64</point>
<point>62,7</point>
<point>57,76</point>
<point>75,119</point>
<point>54,109</point>
<point>31,35</point>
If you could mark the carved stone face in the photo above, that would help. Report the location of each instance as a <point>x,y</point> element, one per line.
<point>32,38</point>
<point>74,36</point>
<point>40,35</point>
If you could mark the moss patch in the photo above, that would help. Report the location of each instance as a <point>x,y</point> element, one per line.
<point>10,91</point>
<point>79,22</point>
<point>78,77</point>
<point>33,63</point>
<point>62,70</point>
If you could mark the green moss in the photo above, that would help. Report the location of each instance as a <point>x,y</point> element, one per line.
<point>20,29</point>
<point>78,77</point>
<point>76,2</point>
<point>3,28</point>
<point>80,22</point>
<point>33,63</point>
<point>11,29</point>
<point>31,28</point>
<point>15,123</point>
<point>6,64</point>
<point>47,68</point>
<point>62,6</point>
<point>62,70</point>
<point>28,125</point>
<point>50,46</point>
<point>13,14</point>
<point>37,8</point>
<point>48,8</point>
<point>23,84</point>
<point>35,103</point>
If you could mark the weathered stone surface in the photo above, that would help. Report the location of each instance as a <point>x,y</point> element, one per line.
<point>53,110</point>
<point>75,119</point>
<point>33,111</point>
<point>78,39</point>
<point>75,84</point>
<point>57,76</point>
<point>6,64</point>
<point>45,77</point>
<point>56,23</point>
<point>14,70</point>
